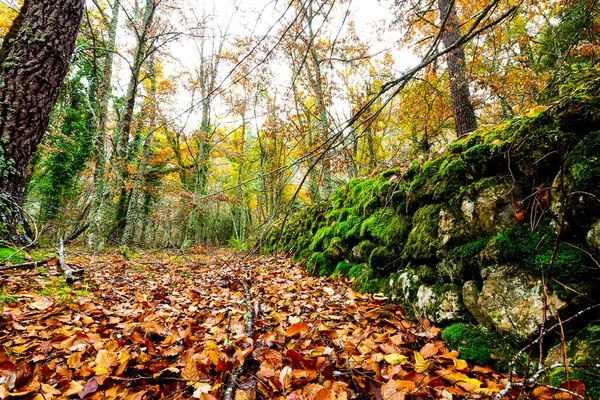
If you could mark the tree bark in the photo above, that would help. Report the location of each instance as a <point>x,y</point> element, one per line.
<point>34,59</point>
<point>96,238</point>
<point>123,128</point>
<point>464,114</point>
<point>133,209</point>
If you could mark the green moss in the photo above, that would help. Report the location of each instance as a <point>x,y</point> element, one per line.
<point>12,255</point>
<point>451,177</point>
<point>321,239</point>
<point>6,298</point>
<point>582,350</point>
<point>478,345</point>
<point>423,240</point>
<point>366,280</point>
<point>382,259</point>
<point>426,274</point>
<point>390,172</point>
<point>342,268</point>
<point>582,168</point>
<point>56,288</point>
<point>387,228</point>
<point>336,249</point>
<point>533,251</point>
<point>320,265</point>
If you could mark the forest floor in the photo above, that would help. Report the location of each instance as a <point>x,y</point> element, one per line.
<point>217,326</point>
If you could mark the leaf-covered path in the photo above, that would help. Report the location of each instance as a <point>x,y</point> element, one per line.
<point>179,327</point>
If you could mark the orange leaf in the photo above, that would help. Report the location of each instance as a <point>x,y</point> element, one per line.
<point>429,350</point>
<point>298,328</point>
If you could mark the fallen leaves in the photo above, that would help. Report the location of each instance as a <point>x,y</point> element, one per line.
<point>176,327</point>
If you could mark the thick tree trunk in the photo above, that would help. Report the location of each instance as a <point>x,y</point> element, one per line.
<point>464,115</point>
<point>97,238</point>
<point>34,59</point>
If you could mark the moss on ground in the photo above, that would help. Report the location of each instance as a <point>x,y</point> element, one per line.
<point>479,345</point>
<point>12,255</point>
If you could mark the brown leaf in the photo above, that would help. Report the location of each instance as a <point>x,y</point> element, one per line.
<point>429,350</point>
<point>41,303</point>
<point>90,387</point>
<point>190,370</point>
<point>390,391</point>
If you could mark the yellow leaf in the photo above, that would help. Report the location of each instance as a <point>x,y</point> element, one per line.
<point>395,358</point>
<point>74,360</point>
<point>536,110</point>
<point>421,365</point>
<point>487,391</point>
<point>460,364</point>
<point>74,388</point>
<point>105,360</point>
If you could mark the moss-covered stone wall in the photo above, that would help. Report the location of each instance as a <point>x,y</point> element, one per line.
<point>445,236</point>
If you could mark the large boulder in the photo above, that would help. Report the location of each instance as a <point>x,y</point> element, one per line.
<point>512,301</point>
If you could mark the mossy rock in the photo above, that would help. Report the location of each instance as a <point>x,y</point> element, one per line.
<point>478,345</point>
<point>423,240</point>
<point>336,249</point>
<point>342,268</point>
<point>463,262</point>
<point>382,259</point>
<point>582,174</point>
<point>423,185</point>
<point>367,280</point>
<point>533,251</point>
<point>582,349</point>
<point>363,250</point>
<point>321,240</point>
<point>388,228</point>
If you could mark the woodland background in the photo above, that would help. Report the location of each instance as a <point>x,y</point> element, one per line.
<point>153,146</point>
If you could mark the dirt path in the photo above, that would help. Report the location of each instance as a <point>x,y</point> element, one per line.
<point>207,328</point>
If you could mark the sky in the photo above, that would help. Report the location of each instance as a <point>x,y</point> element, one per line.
<point>240,18</point>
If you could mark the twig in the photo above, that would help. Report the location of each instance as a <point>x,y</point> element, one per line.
<point>31,264</point>
<point>229,393</point>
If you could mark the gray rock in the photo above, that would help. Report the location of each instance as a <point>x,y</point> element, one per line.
<point>513,301</point>
<point>404,287</point>
<point>441,307</point>
<point>593,236</point>
<point>470,296</point>
<point>489,212</point>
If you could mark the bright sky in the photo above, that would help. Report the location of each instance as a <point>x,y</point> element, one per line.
<point>242,17</point>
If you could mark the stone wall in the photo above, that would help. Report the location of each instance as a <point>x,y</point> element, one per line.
<point>471,234</point>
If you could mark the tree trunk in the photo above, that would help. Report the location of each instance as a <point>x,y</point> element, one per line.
<point>464,115</point>
<point>97,237</point>
<point>132,210</point>
<point>123,128</point>
<point>34,59</point>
